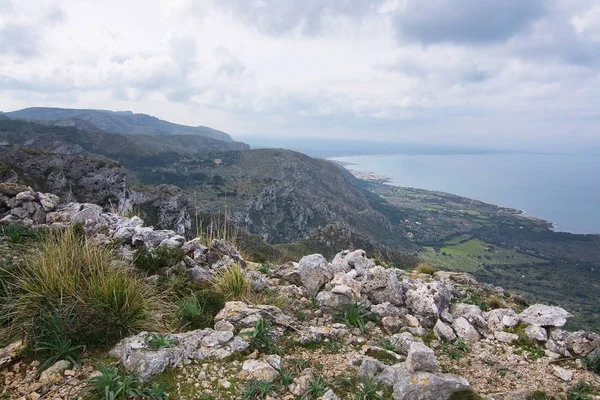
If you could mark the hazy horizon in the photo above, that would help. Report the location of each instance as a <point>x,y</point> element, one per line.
<point>495,75</point>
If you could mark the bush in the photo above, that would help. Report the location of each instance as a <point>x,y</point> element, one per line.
<point>232,283</point>
<point>59,349</point>
<point>425,268</point>
<point>198,310</point>
<point>261,337</point>
<point>19,234</point>
<point>67,289</point>
<point>156,341</point>
<point>356,315</point>
<point>156,259</point>
<point>592,363</point>
<point>257,390</point>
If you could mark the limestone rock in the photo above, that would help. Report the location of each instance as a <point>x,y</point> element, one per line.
<point>465,330</point>
<point>536,332</point>
<point>353,260</point>
<point>258,370</point>
<point>582,343</point>
<point>421,358</point>
<point>243,315</point>
<point>403,341</point>
<point>381,286</point>
<point>10,353</point>
<point>54,373</point>
<point>505,337</point>
<point>543,315</point>
<point>444,332</point>
<point>314,272</point>
<point>428,299</point>
<point>563,373</point>
<point>301,384</point>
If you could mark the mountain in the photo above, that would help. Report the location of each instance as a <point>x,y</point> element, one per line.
<point>76,136</point>
<point>125,122</point>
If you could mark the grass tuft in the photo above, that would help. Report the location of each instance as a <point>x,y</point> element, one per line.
<point>232,283</point>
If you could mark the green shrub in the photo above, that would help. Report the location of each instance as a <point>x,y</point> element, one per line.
<point>457,349</point>
<point>232,283</point>
<point>368,389</point>
<point>356,315</point>
<point>580,391</point>
<point>157,341</point>
<point>286,377</point>
<point>425,268</point>
<point>198,310</point>
<point>261,337</point>
<point>113,384</point>
<point>67,289</point>
<point>20,234</point>
<point>592,363</point>
<point>317,387</point>
<point>156,259</point>
<point>257,390</point>
<point>58,349</point>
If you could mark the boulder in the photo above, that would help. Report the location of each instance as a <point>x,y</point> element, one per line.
<point>333,301</point>
<point>150,238</point>
<point>136,356</point>
<point>582,343</point>
<point>243,315</point>
<point>289,273</point>
<point>314,273</point>
<point>562,373</point>
<point>421,385</point>
<point>403,341</point>
<point>10,353</point>
<point>302,383</point>
<point>428,299</point>
<point>353,260</point>
<point>505,337</point>
<point>220,248</point>
<point>192,245</point>
<point>543,315</point>
<point>381,286</point>
<point>54,373</point>
<point>48,201</point>
<point>444,332</point>
<point>421,358</point>
<point>536,332</point>
<point>465,330</point>
<point>258,370</point>
<point>496,319</point>
<point>387,309</point>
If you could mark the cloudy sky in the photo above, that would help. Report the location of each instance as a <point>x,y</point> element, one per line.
<point>492,73</point>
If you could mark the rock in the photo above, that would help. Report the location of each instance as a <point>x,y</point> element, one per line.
<point>392,324</point>
<point>48,201</point>
<point>370,367</point>
<point>26,196</point>
<point>330,395</point>
<point>332,301</point>
<point>465,330</point>
<point>135,356</point>
<point>505,337</point>
<point>536,332</point>
<point>171,243</point>
<point>353,260</point>
<point>475,316</point>
<point>444,332</point>
<point>403,341</point>
<point>387,309</point>
<point>421,358</point>
<point>289,273</point>
<point>12,189</point>
<point>582,343</point>
<point>421,385</point>
<point>193,245</point>
<point>243,315</point>
<point>301,384</point>
<point>496,317</point>
<point>258,282</point>
<point>220,248</point>
<point>224,326</point>
<point>10,353</point>
<point>382,285</point>
<point>199,275</point>
<point>54,373</point>
<point>258,370</point>
<point>563,373</point>
<point>344,283</point>
<point>428,299</point>
<point>314,272</point>
<point>543,315</point>
<point>149,237</point>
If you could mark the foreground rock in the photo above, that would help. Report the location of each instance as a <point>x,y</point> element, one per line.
<point>137,356</point>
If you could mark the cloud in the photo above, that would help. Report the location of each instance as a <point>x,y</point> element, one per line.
<point>306,17</point>
<point>19,40</point>
<point>465,21</point>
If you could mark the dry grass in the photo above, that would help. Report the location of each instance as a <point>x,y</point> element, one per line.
<point>232,283</point>
<point>426,268</point>
<point>67,288</point>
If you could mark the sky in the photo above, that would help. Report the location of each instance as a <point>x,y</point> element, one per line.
<point>486,73</point>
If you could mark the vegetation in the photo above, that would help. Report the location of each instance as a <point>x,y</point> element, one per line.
<point>261,337</point>
<point>19,234</point>
<point>232,283</point>
<point>356,315</point>
<point>67,292</point>
<point>592,362</point>
<point>156,259</point>
<point>256,390</point>
<point>156,341</point>
<point>114,384</point>
<point>426,268</point>
<point>58,349</point>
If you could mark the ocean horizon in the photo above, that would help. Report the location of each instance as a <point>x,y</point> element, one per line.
<point>561,189</point>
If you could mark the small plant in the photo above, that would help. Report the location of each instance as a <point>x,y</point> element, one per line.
<point>317,387</point>
<point>580,391</point>
<point>592,363</point>
<point>286,377</point>
<point>456,350</point>
<point>157,341</point>
<point>494,303</point>
<point>368,389</point>
<point>356,315</point>
<point>266,268</point>
<point>113,384</point>
<point>332,347</point>
<point>299,364</point>
<point>153,260</point>
<point>59,349</point>
<point>261,337</point>
<point>314,303</point>
<point>19,234</point>
<point>257,390</point>
<point>190,312</point>
<point>156,391</point>
<point>386,344</point>
<point>425,268</point>
<point>232,283</point>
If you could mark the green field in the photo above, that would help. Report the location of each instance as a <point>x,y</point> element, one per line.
<point>471,255</point>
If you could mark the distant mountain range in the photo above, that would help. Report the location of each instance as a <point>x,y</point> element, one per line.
<point>125,122</point>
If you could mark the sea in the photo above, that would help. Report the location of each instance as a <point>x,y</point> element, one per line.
<point>561,189</point>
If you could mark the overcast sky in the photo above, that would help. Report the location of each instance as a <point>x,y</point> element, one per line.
<point>505,73</point>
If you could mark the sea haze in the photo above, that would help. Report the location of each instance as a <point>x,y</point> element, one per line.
<point>562,189</point>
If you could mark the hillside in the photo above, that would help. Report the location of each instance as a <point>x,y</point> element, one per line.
<point>102,304</point>
<point>125,122</point>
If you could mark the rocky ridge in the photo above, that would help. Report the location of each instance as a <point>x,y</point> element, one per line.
<point>420,336</point>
